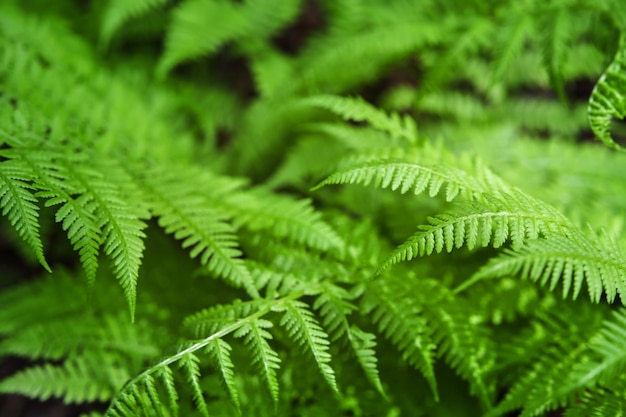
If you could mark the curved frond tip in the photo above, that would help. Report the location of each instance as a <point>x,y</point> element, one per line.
<point>608,98</point>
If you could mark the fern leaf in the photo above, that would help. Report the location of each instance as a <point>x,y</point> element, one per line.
<point>358,110</point>
<point>285,218</point>
<point>609,360</point>
<point>518,30</point>
<point>119,11</point>
<point>165,375</point>
<point>465,347</point>
<point>333,307</point>
<point>77,218</point>
<point>74,381</point>
<point>608,98</point>
<point>264,357</point>
<point>363,344</point>
<point>189,362</point>
<point>598,402</point>
<point>402,322</point>
<point>305,329</point>
<point>220,352</point>
<point>19,205</point>
<point>417,178</point>
<point>557,37</point>
<point>217,21</point>
<point>123,239</point>
<point>188,216</point>
<point>515,216</point>
<point>567,259</point>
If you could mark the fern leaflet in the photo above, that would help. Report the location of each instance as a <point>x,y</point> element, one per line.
<point>264,357</point>
<point>304,328</point>
<point>183,212</point>
<point>220,352</point>
<point>19,205</point>
<point>403,176</point>
<point>608,98</point>
<point>571,260</point>
<point>119,11</point>
<point>515,216</point>
<point>359,110</point>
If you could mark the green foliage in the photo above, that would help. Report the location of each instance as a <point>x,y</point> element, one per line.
<point>314,208</point>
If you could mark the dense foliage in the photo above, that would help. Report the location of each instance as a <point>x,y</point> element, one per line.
<point>314,208</point>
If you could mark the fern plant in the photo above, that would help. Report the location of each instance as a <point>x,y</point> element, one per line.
<point>313,208</point>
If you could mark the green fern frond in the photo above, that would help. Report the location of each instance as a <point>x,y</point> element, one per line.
<point>609,360</point>
<point>514,216</point>
<point>183,212</point>
<point>76,214</point>
<point>402,322</point>
<point>125,401</point>
<point>465,346</point>
<point>322,69</point>
<point>517,31</point>
<point>302,326</point>
<point>562,354</point>
<point>227,22</point>
<point>598,402</point>
<point>224,20</point>
<point>211,320</point>
<point>189,362</point>
<point>608,98</point>
<point>122,234</point>
<point>363,344</point>
<point>219,350</point>
<point>571,260</point>
<point>404,176</point>
<point>19,205</point>
<point>264,357</point>
<point>76,380</point>
<point>334,308</point>
<point>358,110</point>
<point>119,12</point>
<point>557,36</point>
<point>285,218</point>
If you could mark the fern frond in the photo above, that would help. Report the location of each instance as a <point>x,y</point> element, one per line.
<point>609,361</point>
<point>465,345</point>
<point>334,308</point>
<point>322,69</point>
<point>76,214</point>
<point>122,233</point>
<point>218,21</point>
<point>514,216</point>
<point>404,176</point>
<point>572,260</point>
<point>305,329</point>
<point>358,110</point>
<point>186,214</point>
<point>363,344</point>
<point>219,350</point>
<point>19,205</point>
<point>125,401</point>
<point>608,98</point>
<point>76,381</point>
<point>518,29</point>
<point>211,320</point>
<point>118,12</point>
<point>557,36</point>
<point>402,322</point>
<point>264,357</point>
<point>285,218</point>
<point>598,402</point>
<point>189,362</point>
